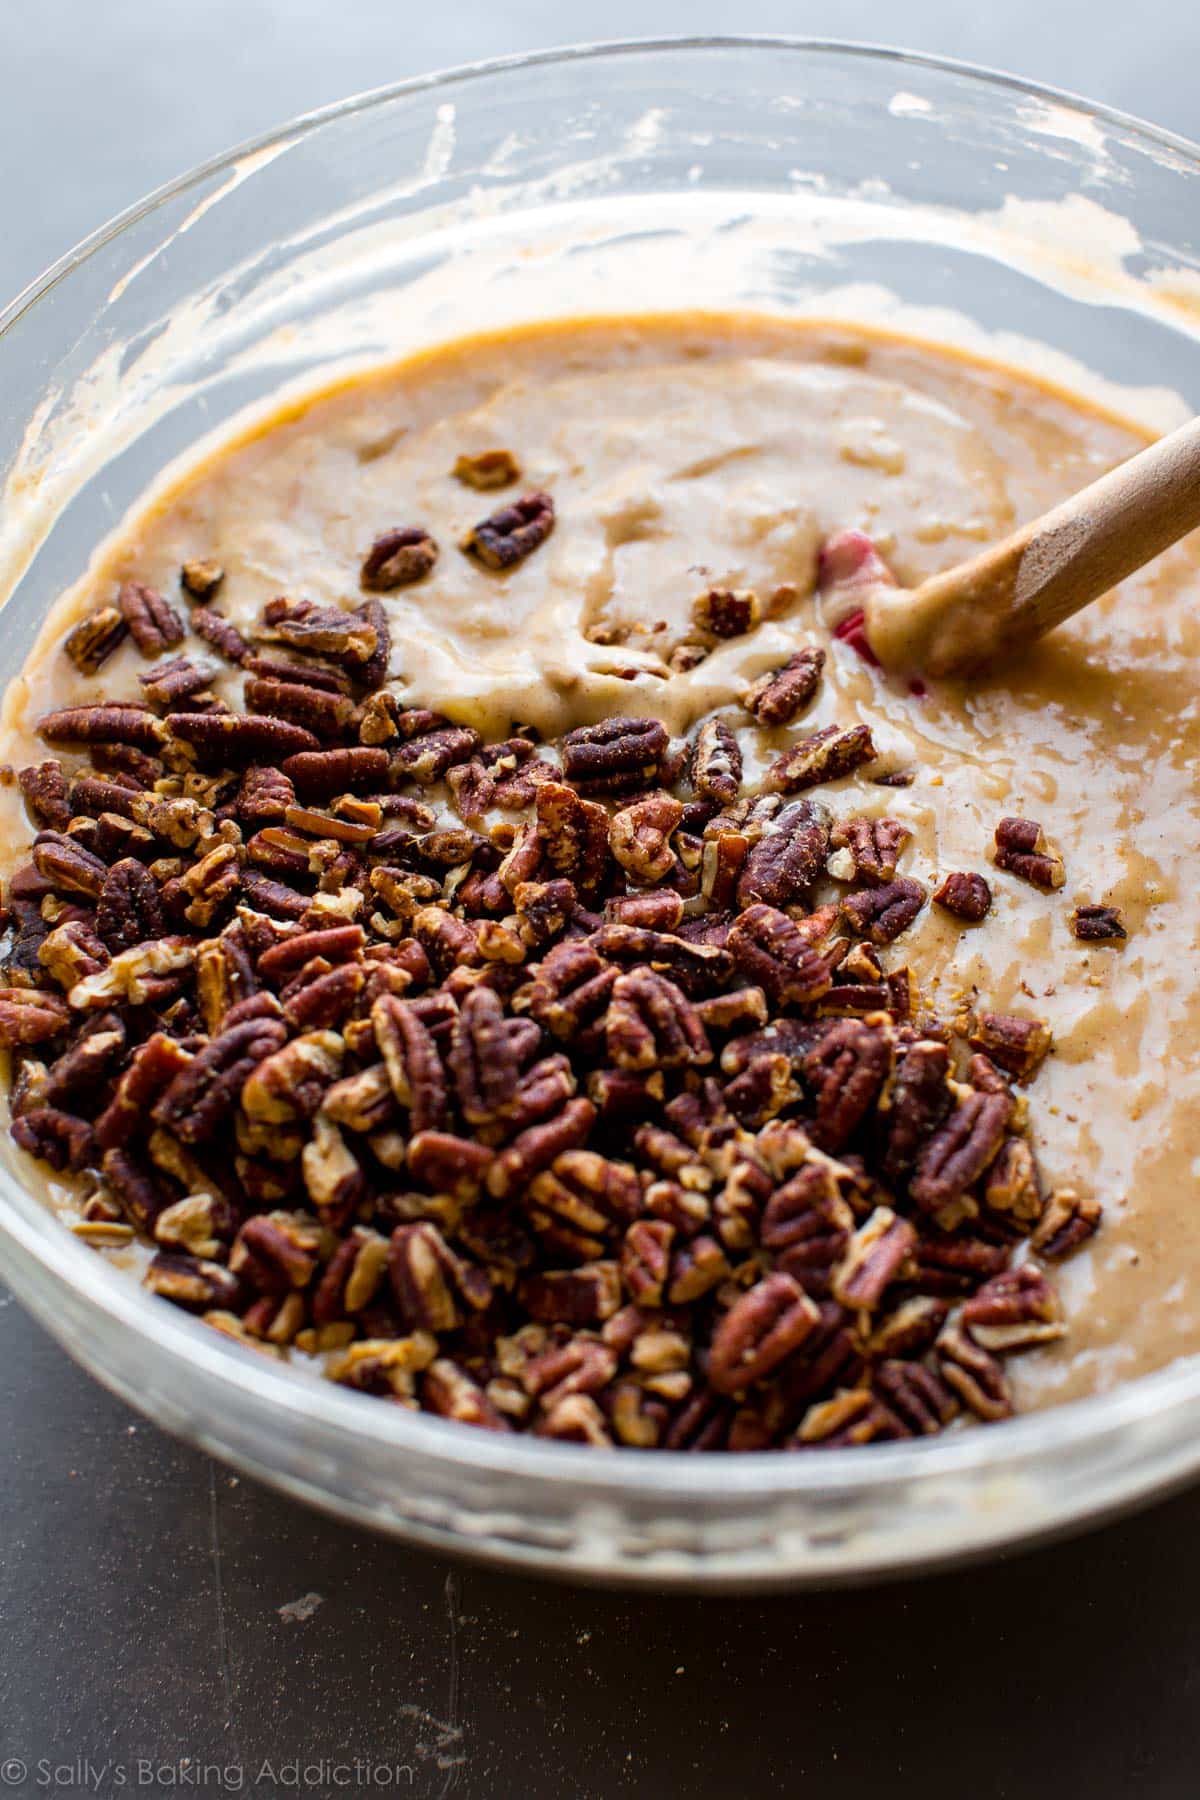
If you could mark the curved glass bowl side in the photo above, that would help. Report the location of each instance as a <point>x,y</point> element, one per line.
<point>630,178</point>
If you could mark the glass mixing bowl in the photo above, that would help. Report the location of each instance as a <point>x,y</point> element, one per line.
<point>805,178</point>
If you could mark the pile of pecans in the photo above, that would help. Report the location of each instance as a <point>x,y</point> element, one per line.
<point>573,1113</point>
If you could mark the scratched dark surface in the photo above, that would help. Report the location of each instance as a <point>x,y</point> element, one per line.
<point>150,1638</point>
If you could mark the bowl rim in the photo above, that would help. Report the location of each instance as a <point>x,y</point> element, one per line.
<point>1045,1437</point>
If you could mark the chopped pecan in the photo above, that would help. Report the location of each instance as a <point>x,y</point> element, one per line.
<point>651,1024</point>
<point>448,1390</point>
<point>201,577</point>
<point>543,910</point>
<point>1068,1220</point>
<point>110,722</point>
<point>128,910</point>
<point>573,834</point>
<point>489,469</point>
<point>726,612</point>
<point>426,758</point>
<point>782,694</point>
<point>618,756</point>
<point>781,956</point>
<point>385,1366</point>
<point>176,681</point>
<point>330,631</point>
<point>277,1251</point>
<point>398,557</point>
<point>645,1260</point>
<point>154,625</point>
<point>1012,1188</point>
<point>1022,849</point>
<point>640,836</point>
<point>90,643</point>
<point>874,843</point>
<point>966,895</point>
<point>1018,1044</point>
<point>1098,924</point>
<point>333,1176</point>
<point>584,1296</point>
<point>882,913</point>
<point>787,858</point>
<point>824,756</point>
<point>761,1329</point>
<point>192,1282</point>
<point>508,536</point>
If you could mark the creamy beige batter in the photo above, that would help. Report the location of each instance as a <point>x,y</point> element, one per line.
<point>706,451</point>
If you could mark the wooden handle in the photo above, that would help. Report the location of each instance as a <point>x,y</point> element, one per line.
<point>985,609</point>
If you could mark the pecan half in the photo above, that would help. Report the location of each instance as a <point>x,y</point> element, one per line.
<point>651,1024</point>
<point>572,834</point>
<point>878,1253</point>
<point>508,536</point>
<point>128,910</point>
<point>781,956</point>
<point>961,1149</point>
<point>765,1326</point>
<point>343,637</point>
<point>221,633</point>
<point>973,1373</point>
<point>782,695</point>
<point>882,913</point>
<point>397,558</point>
<point>787,858</point>
<point>44,789</point>
<point>1022,849</point>
<point>205,1092</point>
<point>412,1061</point>
<point>320,774</point>
<point>224,739</point>
<point>110,722</point>
<point>875,844</point>
<point>1013,1311</point>
<point>617,756</point>
<point>825,756</point>
<point>154,625</point>
<point>716,762</point>
<point>846,1070</point>
<point>1098,924</point>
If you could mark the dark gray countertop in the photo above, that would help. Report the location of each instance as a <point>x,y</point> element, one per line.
<point>141,1585</point>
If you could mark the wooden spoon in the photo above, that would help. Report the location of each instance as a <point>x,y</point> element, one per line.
<point>991,607</point>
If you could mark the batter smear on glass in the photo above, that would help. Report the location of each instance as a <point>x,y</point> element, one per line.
<point>479,917</point>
